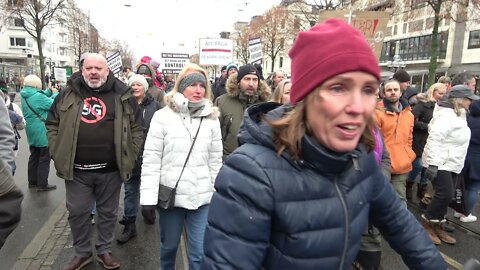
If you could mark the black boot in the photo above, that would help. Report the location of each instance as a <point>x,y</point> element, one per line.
<point>129,231</point>
<point>421,190</point>
<point>408,191</point>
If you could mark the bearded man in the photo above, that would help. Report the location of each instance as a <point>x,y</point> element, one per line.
<point>395,120</point>
<point>94,133</point>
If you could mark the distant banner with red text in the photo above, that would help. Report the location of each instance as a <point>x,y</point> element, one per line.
<point>371,23</point>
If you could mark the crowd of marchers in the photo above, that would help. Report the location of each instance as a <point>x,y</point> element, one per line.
<point>263,173</point>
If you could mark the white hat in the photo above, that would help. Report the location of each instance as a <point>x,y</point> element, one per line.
<point>137,78</point>
<point>32,81</point>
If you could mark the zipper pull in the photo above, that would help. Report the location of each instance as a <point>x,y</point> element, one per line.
<point>355,162</point>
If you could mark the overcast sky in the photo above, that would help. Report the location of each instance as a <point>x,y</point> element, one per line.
<point>150,26</point>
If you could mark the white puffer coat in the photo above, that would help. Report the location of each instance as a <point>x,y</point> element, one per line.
<point>168,141</point>
<point>448,139</point>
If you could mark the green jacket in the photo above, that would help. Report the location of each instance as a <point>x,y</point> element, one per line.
<point>232,106</point>
<point>40,101</point>
<point>64,121</point>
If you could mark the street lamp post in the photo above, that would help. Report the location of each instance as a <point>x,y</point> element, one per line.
<point>396,63</point>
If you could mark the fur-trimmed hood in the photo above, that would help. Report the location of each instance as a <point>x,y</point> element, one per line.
<point>233,89</point>
<point>179,104</point>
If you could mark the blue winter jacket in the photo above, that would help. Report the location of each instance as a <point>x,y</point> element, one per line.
<point>273,212</point>
<point>471,170</point>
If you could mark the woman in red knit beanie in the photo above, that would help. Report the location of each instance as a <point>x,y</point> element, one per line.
<point>299,191</point>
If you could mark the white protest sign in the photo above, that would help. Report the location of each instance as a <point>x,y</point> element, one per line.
<point>173,63</point>
<point>255,49</point>
<point>60,75</point>
<point>114,62</point>
<point>216,51</point>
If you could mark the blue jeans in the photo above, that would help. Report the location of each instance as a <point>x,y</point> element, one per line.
<point>132,197</point>
<point>417,168</point>
<point>472,195</point>
<point>171,225</point>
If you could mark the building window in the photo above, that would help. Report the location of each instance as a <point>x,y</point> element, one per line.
<point>281,62</point>
<point>474,40</point>
<point>415,48</point>
<point>18,42</point>
<point>16,22</point>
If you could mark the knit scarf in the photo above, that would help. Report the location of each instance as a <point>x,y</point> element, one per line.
<point>196,108</point>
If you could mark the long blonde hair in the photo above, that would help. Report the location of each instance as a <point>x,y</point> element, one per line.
<point>289,130</point>
<point>278,91</point>
<point>188,69</point>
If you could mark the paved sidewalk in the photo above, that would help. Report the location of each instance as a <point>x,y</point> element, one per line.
<point>52,247</point>
<point>47,245</point>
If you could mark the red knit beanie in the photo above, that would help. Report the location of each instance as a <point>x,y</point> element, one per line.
<point>326,50</point>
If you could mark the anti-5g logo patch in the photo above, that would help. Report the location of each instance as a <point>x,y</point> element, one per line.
<point>94,110</point>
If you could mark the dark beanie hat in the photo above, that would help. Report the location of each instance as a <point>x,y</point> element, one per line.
<point>245,70</point>
<point>224,68</point>
<point>401,76</point>
<point>410,92</point>
<point>324,52</point>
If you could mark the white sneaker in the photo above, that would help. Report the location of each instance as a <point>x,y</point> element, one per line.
<point>469,218</point>
<point>457,214</point>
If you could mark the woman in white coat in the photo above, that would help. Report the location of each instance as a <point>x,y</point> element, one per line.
<point>172,131</point>
<point>444,156</point>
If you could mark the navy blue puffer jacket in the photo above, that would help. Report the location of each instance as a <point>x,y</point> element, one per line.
<point>272,212</point>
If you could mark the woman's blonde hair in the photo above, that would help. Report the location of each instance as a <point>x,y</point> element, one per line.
<point>188,69</point>
<point>278,91</point>
<point>435,87</point>
<point>457,105</point>
<point>289,130</point>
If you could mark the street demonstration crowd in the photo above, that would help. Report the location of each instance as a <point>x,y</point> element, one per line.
<point>273,173</point>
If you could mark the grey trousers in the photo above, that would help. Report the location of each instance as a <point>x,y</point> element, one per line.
<point>81,194</point>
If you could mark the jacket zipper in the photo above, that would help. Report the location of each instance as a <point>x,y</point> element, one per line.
<point>347,230</point>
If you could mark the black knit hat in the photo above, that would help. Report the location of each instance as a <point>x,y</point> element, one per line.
<point>245,70</point>
<point>401,76</point>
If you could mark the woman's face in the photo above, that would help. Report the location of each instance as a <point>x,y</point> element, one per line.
<point>286,93</point>
<point>438,94</point>
<point>338,110</point>
<point>138,90</point>
<point>195,92</point>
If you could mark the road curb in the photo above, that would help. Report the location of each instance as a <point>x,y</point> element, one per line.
<point>42,251</point>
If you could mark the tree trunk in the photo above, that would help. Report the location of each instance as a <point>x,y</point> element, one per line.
<point>41,58</point>
<point>433,59</point>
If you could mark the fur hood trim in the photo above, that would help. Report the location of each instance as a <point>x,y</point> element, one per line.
<point>179,104</point>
